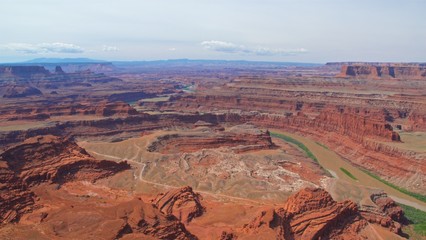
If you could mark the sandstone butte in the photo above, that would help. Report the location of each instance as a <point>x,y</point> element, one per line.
<point>399,71</point>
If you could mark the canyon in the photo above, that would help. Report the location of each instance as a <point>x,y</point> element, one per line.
<point>211,150</point>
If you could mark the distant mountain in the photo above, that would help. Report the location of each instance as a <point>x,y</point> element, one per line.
<point>204,62</point>
<point>64,60</point>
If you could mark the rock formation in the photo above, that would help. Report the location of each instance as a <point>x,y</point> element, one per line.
<point>15,198</point>
<point>51,159</point>
<point>310,214</point>
<point>388,206</point>
<point>44,159</point>
<point>182,203</point>
<point>58,70</point>
<point>128,220</point>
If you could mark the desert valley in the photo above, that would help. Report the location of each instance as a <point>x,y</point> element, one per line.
<point>199,149</point>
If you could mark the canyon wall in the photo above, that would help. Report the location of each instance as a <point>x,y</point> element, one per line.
<point>338,131</point>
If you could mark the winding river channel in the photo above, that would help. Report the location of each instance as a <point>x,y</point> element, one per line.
<point>333,162</point>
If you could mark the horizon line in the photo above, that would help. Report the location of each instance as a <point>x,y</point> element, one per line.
<point>91,60</point>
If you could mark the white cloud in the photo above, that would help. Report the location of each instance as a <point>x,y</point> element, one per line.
<point>228,47</point>
<point>107,48</point>
<point>43,48</point>
<point>172,49</point>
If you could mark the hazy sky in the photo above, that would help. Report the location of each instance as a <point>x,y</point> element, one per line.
<point>270,30</point>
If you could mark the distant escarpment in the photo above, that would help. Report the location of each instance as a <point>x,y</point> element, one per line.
<point>387,71</point>
<point>40,77</point>
<point>354,122</point>
<point>22,71</point>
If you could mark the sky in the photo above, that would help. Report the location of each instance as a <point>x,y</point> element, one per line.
<point>316,31</point>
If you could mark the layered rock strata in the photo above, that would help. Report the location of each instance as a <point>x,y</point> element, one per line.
<point>44,159</point>
<point>240,138</point>
<point>182,203</point>
<point>311,214</point>
<point>376,71</point>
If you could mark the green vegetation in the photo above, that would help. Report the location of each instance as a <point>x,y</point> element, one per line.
<point>348,173</point>
<point>417,217</point>
<point>297,143</point>
<point>322,145</point>
<point>301,146</point>
<point>403,190</point>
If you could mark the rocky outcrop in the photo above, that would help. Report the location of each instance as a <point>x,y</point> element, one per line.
<point>20,91</point>
<point>128,219</point>
<point>44,159</point>
<point>182,203</point>
<point>310,214</point>
<point>387,71</point>
<point>143,218</point>
<point>388,206</point>
<point>15,198</point>
<point>52,159</point>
